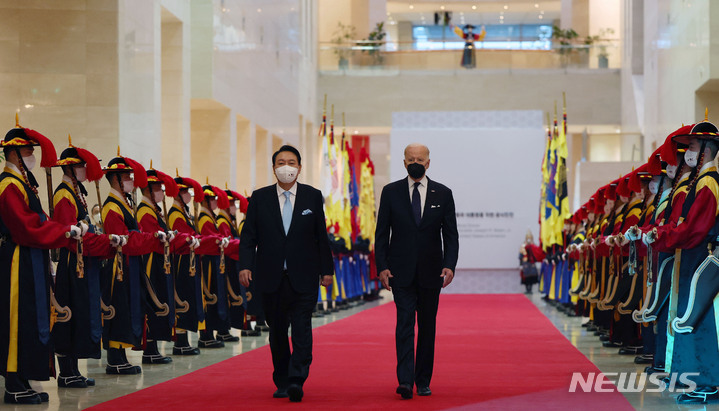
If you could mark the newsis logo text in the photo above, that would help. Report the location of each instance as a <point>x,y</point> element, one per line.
<point>631,382</point>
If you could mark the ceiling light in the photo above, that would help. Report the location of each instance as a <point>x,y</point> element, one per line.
<point>536,5</point>
<point>474,7</point>
<point>441,8</point>
<point>506,7</point>
<point>411,6</point>
<point>541,17</point>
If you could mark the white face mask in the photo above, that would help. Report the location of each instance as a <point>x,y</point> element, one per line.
<point>128,186</point>
<point>691,158</point>
<point>671,171</point>
<point>29,162</point>
<point>81,174</point>
<point>286,174</point>
<point>186,197</point>
<point>654,185</point>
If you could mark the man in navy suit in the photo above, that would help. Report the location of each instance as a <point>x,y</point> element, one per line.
<point>416,250</point>
<point>284,248</point>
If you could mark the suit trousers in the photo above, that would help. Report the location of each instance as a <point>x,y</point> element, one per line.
<point>423,303</point>
<point>283,308</point>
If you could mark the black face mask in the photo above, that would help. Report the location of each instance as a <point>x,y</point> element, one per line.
<point>416,170</point>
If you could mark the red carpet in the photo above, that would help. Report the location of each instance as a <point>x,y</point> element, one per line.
<point>492,352</point>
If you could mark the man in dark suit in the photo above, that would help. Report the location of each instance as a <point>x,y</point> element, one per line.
<point>416,249</point>
<point>284,248</point>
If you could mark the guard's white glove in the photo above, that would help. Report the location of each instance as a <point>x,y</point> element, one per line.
<point>195,243</point>
<point>609,241</point>
<point>124,240</point>
<point>564,257</point>
<point>648,239</point>
<point>633,234</point>
<point>225,242</point>
<point>115,240</point>
<point>75,232</point>
<point>84,227</point>
<point>171,236</point>
<point>160,235</point>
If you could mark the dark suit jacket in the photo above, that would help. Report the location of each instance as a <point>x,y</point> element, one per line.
<point>264,245</point>
<point>407,249</point>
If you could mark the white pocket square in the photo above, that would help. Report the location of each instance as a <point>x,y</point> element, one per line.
<point>435,206</point>
<point>307,212</point>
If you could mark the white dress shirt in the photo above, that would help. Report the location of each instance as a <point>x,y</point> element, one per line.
<point>281,196</point>
<point>422,191</point>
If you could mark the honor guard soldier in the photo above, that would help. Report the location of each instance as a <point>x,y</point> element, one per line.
<point>188,274</point>
<point>123,279</point>
<point>77,281</point>
<point>214,282</point>
<point>26,234</point>
<point>692,342</point>
<point>158,264</point>
<point>236,293</point>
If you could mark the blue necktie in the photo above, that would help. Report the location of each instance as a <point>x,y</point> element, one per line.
<point>416,204</point>
<point>287,212</point>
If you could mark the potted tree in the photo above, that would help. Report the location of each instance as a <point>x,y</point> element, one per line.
<point>372,45</point>
<point>602,42</point>
<point>342,39</point>
<point>565,39</point>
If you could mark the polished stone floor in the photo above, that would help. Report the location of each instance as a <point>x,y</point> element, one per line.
<point>608,361</point>
<point>468,281</point>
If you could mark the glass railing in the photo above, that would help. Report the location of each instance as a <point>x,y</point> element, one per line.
<point>368,57</point>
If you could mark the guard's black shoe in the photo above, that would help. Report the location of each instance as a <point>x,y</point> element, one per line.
<point>262,327</point>
<point>74,381</point>
<point>155,359</point>
<point>405,391</point>
<point>211,344</point>
<point>652,369</point>
<point>280,393</point>
<point>424,391</point>
<point>89,381</point>
<point>611,344</point>
<point>227,337</point>
<point>701,395</point>
<point>644,359</point>
<point>294,391</point>
<point>22,397</point>
<point>604,338</point>
<point>123,369</point>
<point>251,333</point>
<point>185,350</point>
<point>44,397</point>
<point>630,350</point>
<point>317,314</point>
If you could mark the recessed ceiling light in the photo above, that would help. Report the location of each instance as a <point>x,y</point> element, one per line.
<point>536,5</point>
<point>441,8</point>
<point>474,7</point>
<point>506,7</point>
<point>411,6</point>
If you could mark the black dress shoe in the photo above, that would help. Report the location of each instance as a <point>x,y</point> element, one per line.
<point>73,381</point>
<point>280,393</point>
<point>611,344</point>
<point>405,391</point>
<point>604,338</point>
<point>250,333</point>
<point>211,344</point>
<point>294,391</point>
<point>701,395</point>
<point>263,327</point>
<point>185,350</point>
<point>122,369</point>
<point>155,359</point>
<point>228,337</point>
<point>22,397</point>
<point>424,391</point>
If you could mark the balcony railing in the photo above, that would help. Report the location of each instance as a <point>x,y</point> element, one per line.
<point>365,57</point>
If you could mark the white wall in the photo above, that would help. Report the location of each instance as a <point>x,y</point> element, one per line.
<point>492,162</point>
